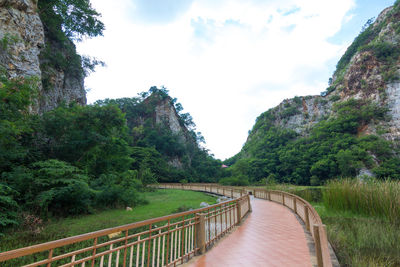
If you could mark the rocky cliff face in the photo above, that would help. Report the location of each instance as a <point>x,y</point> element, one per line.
<point>165,115</point>
<point>23,38</point>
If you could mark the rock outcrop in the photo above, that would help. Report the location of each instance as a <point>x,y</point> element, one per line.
<point>21,37</point>
<point>22,41</point>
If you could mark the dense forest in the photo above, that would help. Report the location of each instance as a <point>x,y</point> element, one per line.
<point>77,159</point>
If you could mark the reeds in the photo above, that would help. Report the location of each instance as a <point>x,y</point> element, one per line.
<point>372,197</point>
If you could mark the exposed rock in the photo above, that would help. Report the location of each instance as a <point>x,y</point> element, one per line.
<point>61,85</point>
<point>22,37</point>
<point>165,113</point>
<point>365,173</point>
<point>204,204</point>
<point>393,103</point>
<point>175,162</point>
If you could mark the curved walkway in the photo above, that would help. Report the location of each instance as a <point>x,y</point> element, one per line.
<point>270,236</point>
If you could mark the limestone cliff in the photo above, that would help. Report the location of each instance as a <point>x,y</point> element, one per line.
<point>25,42</point>
<point>22,37</point>
<point>163,114</point>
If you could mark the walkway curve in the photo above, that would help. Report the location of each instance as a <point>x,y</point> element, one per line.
<point>270,236</point>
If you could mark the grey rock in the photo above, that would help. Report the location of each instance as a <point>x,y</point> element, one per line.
<point>204,204</point>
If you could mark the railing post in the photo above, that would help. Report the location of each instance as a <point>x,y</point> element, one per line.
<point>317,240</point>
<point>269,196</point>
<point>223,191</point>
<point>294,205</point>
<point>307,217</point>
<point>201,234</point>
<point>239,211</point>
<point>248,203</point>
<point>283,199</point>
<point>231,192</point>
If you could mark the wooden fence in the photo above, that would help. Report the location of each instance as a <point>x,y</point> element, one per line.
<point>163,241</point>
<point>298,205</point>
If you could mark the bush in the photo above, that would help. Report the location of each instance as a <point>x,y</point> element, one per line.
<point>8,207</point>
<point>118,190</point>
<point>384,51</point>
<point>59,188</point>
<point>235,181</point>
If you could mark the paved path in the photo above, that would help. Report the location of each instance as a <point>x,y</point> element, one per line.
<point>270,236</point>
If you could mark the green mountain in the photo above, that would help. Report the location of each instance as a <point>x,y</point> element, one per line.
<point>351,129</point>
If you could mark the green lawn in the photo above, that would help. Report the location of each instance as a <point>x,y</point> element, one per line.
<point>161,202</point>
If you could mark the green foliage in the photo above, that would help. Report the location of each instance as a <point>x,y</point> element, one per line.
<point>235,181</point>
<point>334,98</point>
<point>332,148</point>
<point>118,190</point>
<point>8,40</point>
<point>93,138</point>
<point>289,112</point>
<point>59,188</point>
<point>75,18</point>
<point>155,144</point>
<point>15,97</point>
<point>8,207</point>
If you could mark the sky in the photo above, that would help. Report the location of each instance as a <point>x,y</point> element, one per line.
<point>226,61</point>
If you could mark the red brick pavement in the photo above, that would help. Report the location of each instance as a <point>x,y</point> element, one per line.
<point>270,236</point>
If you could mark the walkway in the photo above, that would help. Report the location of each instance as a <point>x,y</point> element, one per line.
<point>270,236</point>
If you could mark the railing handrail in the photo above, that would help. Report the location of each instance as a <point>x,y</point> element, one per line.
<point>20,252</point>
<point>312,209</point>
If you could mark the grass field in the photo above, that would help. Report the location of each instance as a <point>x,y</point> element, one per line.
<point>161,202</point>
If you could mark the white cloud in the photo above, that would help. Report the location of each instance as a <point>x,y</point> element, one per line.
<point>225,61</point>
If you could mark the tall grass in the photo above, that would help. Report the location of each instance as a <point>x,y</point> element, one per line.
<point>372,198</point>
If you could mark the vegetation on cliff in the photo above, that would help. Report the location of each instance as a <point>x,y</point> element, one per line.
<point>348,139</point>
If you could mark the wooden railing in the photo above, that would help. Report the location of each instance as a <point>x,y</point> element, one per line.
<point>162,241</point>
<point>298,205</point>
<point>309,216</point>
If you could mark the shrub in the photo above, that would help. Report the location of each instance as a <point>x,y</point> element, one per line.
<point>8,207</point>
<point>60,189</point>
<point>235,181</point>
<point>117,190</point>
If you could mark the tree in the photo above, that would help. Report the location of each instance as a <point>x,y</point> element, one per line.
<point>76,18</point>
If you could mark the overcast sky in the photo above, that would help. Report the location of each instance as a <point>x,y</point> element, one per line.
<point>226,61</point>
